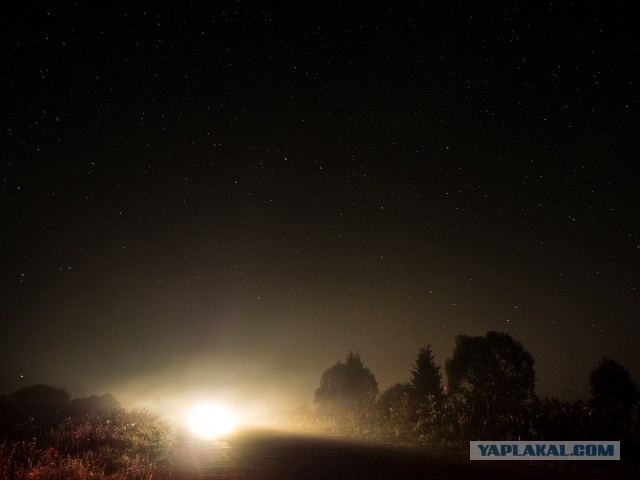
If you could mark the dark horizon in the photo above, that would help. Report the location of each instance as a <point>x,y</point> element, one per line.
<point>228,199</point>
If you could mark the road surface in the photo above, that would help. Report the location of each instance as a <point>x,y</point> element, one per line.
<point>261,455</point>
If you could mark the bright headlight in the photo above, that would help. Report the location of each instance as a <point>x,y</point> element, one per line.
<point>210,420</point>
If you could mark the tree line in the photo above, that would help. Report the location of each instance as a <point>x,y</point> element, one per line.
<point>490,395</point>
<point>48,405</point>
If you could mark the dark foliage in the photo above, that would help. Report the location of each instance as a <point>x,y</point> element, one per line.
<point>45,405</point>
<point>395,407</point>
<point>493,373</point>
<point>42,401</point>
<point>116,445</point>
<point>93,405</point>
<point>346,385</point>
<point>612,388</point>
<point>491,397</point>
<point>10,414</point>
<point>425,376</point>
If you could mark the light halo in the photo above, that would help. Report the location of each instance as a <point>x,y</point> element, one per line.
<point>210,420</point>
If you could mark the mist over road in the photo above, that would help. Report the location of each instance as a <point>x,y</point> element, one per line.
<point>258,455</point>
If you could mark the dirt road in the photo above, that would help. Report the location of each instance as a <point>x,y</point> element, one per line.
<point>258,455</point>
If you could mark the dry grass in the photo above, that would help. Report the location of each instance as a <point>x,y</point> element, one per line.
<point>117,446</point>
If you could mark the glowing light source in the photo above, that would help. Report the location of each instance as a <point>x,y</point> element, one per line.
<point>210,420</point>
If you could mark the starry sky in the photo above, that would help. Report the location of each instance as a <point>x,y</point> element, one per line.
<point>231,197</point>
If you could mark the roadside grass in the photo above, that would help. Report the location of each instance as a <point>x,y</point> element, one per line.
<point>117,445</point>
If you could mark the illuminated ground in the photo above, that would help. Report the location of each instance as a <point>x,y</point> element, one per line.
<point>258,455</point>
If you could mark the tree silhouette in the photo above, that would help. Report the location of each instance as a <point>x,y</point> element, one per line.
<point>611,387</point>
<point>93,405</point>
<point>425,376</point>
<point>394,406</point>
<point>346,385</point>
<point>42,401</point>
<point>44,396</point>
<point>494,373</point>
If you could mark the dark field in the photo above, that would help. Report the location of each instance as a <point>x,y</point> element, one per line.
<point>257,455</point>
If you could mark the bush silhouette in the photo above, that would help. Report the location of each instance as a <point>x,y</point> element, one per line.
<point>611,387</point>
<point>346,385</point>
<point>93,405</point>
<point>43,402</point>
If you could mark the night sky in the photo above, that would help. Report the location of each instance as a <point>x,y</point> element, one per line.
<point>229,199</point>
